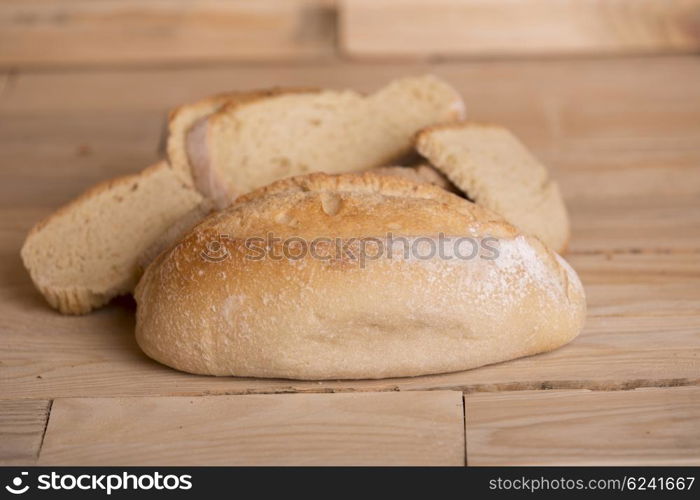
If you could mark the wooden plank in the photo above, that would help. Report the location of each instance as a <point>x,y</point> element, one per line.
<point>70,32</point>
<point>49,158</point>
<point>4,79</point>
<point>605,113</point>
<point>655,426</point>
<point>641,284</point>
<point>535,91</point>
<point>652,224</point>
<point>411,28</point>
<point>592,188</point>
<point>627,79</point>
<point>22,425</point>
<point>643,329</point>
<point>419,428</point>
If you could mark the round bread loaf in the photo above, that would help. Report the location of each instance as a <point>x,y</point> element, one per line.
<point>354,276</point>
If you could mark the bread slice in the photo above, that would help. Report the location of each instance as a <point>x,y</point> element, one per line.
<point>230,300</point>
<point>495,170</point>
<point>96,247</point>
<point>249,143</point>
<point>88,251</point>
<point>180,121</point>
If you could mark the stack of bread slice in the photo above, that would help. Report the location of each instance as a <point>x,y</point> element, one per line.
<point>218,149</point>
<point>91,249</point>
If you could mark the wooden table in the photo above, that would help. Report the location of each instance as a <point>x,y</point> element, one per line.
<point>622,136</point>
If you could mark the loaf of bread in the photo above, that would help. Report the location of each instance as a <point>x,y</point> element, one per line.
<point>354,276</point>
<point>492,167</point>
<point>251,142</point>
<point>88,251</point>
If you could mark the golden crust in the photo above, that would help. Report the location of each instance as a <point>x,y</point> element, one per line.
<point>311,318</point>
<point>321,199</point>
<point>260,94</point>
<point>363,182</point>
<point>422,174</point>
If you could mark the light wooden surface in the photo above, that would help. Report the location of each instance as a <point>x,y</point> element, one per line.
<point>412,428</point>
<point>644,426</point>
<point>622,136</point>
<point>22,424</point>
<point>414,28</point>
<point>73,32</point>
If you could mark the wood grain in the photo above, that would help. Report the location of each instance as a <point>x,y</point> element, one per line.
<point>55,157</point>
<point>608,129</point>
<point>625,114</point>
<point>4,79</point>
<point>640,427</point>
<point>416,428</point>
<point>533,93</point>
<point>22,425</point>
<point>70,32</point>
<point>657,224</point>
<point>372,28</point>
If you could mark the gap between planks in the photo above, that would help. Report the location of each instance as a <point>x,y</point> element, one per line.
<point>558,385</point>
<point>464,420</point>
<point>46,426</point>
<point>22,427</point>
